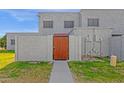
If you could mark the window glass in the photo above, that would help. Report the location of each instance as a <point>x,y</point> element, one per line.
<point>12,42</point>
<point>47,24</point>
<point>68,24</point>
<point>93,22</point>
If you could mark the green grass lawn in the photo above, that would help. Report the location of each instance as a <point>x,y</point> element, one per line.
<point>25,72</point>
<point>11,71</point>
<point>97,71</point>
<point>6,57</point>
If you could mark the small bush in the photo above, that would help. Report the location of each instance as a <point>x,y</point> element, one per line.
<point>7,51</point>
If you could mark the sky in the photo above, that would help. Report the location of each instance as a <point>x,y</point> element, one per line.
<point>23,20</point>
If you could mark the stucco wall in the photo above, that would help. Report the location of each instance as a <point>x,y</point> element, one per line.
<point>74,47</point>
<point>58,22</point>
<point>116,46</point>
<point>122,47</point>
<point>12,36</point>
<point>34,48</point>
<point>9,37</point>
<point>101,45</point>
<point>108,18</point>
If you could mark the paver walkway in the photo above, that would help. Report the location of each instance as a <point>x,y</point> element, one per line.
<point>61,73</point>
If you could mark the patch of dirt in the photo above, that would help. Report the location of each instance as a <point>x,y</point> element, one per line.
<point>94,69</point>
<point>3,80</point>
<point>88,58</point>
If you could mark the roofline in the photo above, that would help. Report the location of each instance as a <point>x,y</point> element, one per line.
<point>58,12</point>
<point>101,10</point>
<point>40,13</point>
<point>22,32</point>
<point>82,10</point>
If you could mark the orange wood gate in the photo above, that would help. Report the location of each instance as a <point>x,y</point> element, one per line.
<point>60,47</point>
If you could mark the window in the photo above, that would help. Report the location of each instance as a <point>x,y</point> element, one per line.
<point>12,42</point>
<point>93,22</point>
<point>47,24</point>
<point>68,24</point>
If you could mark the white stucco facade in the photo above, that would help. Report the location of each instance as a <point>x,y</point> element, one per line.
<point>111,22</point>
<point>58,22</point>
<point>108,18</point>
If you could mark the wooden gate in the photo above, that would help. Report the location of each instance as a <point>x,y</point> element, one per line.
<point>60,47</point>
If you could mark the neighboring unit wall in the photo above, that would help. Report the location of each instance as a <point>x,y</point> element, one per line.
<point>11,36</point>
<point>122,48</point>
<point>116,46</point>
<point>58,22</point>
<point>94,41</point>
<point>34,48</point>
<point>108,18</point>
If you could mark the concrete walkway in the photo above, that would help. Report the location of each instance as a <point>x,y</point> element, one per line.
<point>61,73</point>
